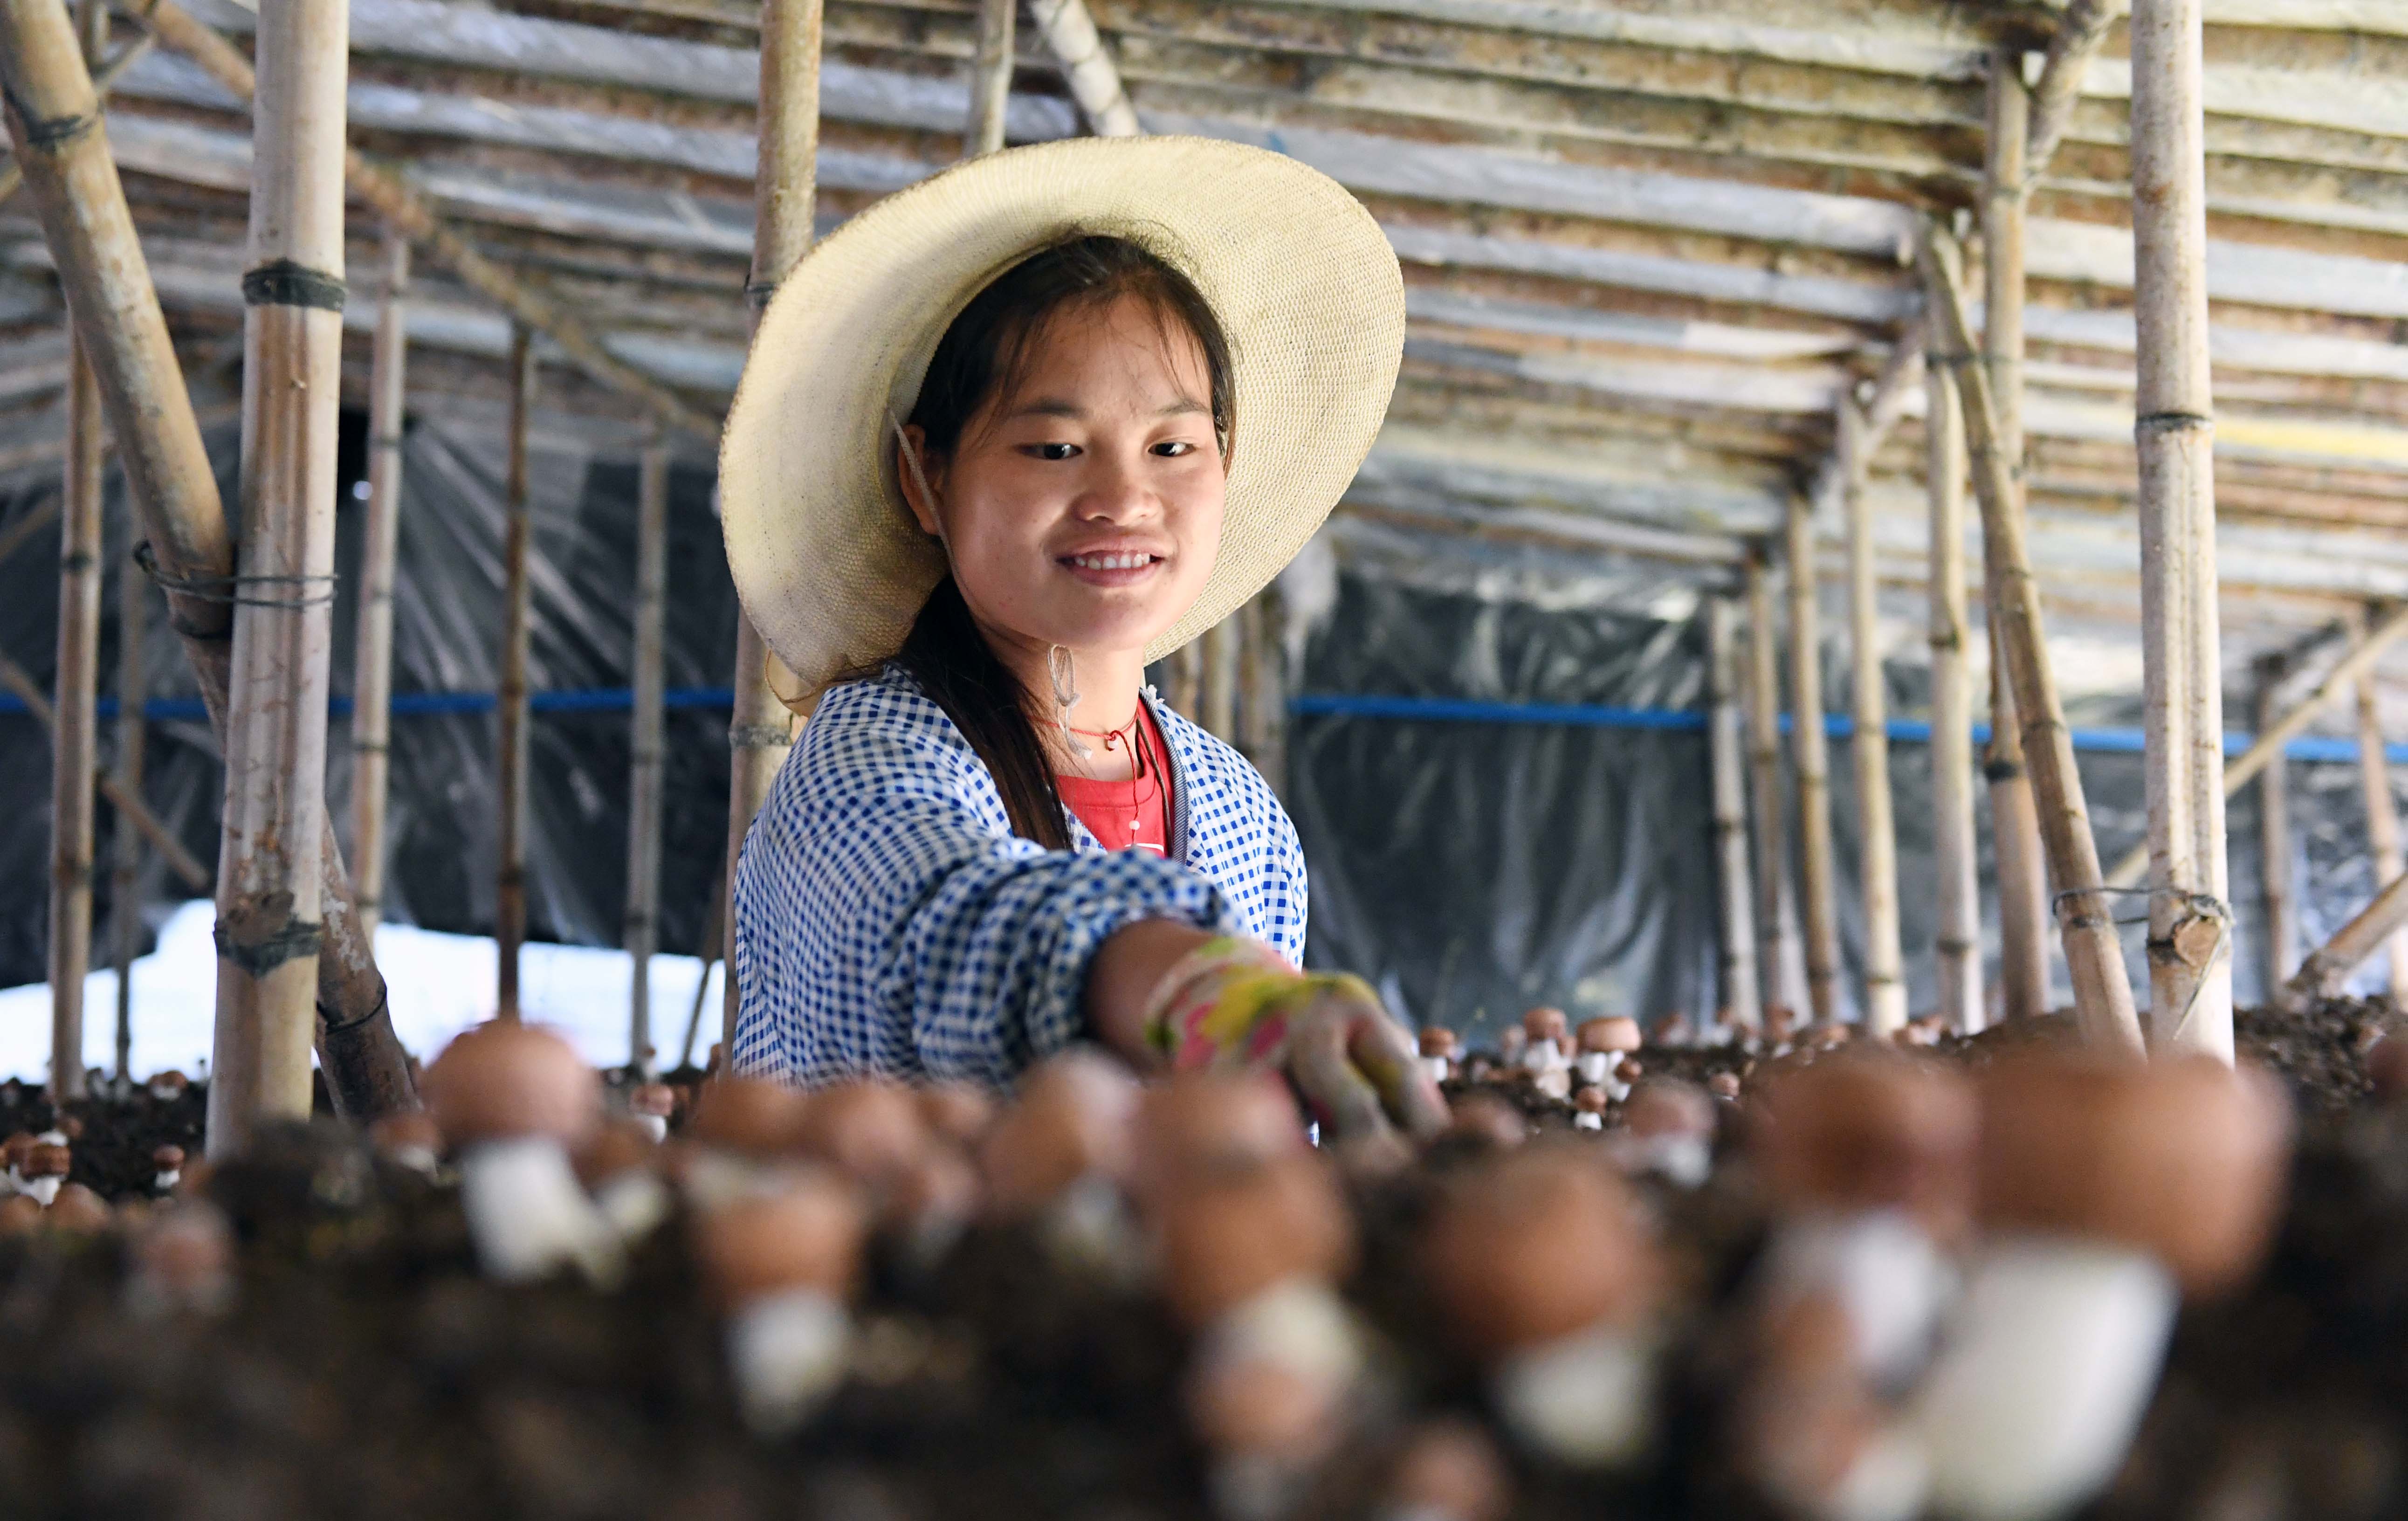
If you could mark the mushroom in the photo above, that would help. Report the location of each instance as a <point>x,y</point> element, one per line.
<point>1588,1107</point>
<point>13,1153</point>
<point>77,1210</point>
<point>1723,1084</point>
<point>1448,1470</point>
<point>1546,1039</point>
<point>1248,1257</point>
<point>1668,1129</point>
<point>1604,1043</point>
<point>20,1214</point>
<point>167,1164</point>
<point>1200,1126</point>
<point>44,1169</point>
<point>182,1259</point>
<point>781,1266</point>
<point>651,1104</point>
<point>1671,1030</point>
<point>1541,1262</point>
<point>1060,1155</point>
<point>1487,1122</point>
<point>869,1129</point>
<point>409,1138</point>
<point>962,1113</point>
<point>743,1136</point>
<point>928,1206</point>
<point>1438,1051</point>
<point>513,1099</point>
<point>2106,1193</point>
<point>1869,1160</point>
<point>1809,1432</point>
<point>2386,1067</point>
<point>1511,1043</point>
<point>620,1168</point>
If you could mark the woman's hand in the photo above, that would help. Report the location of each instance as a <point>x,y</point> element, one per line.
<point>1227,1002</point>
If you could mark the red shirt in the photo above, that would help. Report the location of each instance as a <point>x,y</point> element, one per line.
<point>1132,813</point>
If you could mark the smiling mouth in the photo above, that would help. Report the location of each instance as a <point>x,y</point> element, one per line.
<point>1110,562</point>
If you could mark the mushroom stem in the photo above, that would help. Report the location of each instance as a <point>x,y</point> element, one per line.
<point>528,1215</point>
<point>1587,1398</point>
<point>787,1351</point>
<point>1884,1271</point>
<point>2029,1410</point>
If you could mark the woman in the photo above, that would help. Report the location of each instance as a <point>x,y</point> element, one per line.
<point>1005,438</point>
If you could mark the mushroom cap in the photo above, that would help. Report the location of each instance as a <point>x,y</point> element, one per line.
<point>1450,1468</point>
<point>2183,1159</point>
<point>1538,1243</point>
<point>1438,1040</point>
<point>1227,1239</point>
<point>806,1235</point>
<point>960,1112</point>
<point>1831,1035</point>
<point>2386,1067</point>
<point>1723,1084</point>
<point>748,1115</point>
<point>78,1209</point>
<point>19,1213</point>
<point>1590,1101</point>
<point>1870,1132</point>
<point>1262,1407</point>
<point>171,1078</point>
<point>657,1099</point>
<point>940,1184</point>
<point>16,1148</point>
<point>1546,1023</point>
<point>870,1129</point>
<point>1488,1119</point>
<point>167,1158</point>
<point>1618,1033</point>
<point>1664,1105</point>
<point>616,1146</point>
<point>1074,1117</point>
<point>1202,1125</point>
<point>504,1078</point>
<point>46,1159</point>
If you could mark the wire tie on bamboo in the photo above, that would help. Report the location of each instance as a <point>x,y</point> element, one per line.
<point>228,590</point>
<point>758,292</point>
<point>386,440</point>
<point>331,1027</point>
<point>48,135</point>
<point>759,737</point>
<point>282,282</point>
<point>257,958</point>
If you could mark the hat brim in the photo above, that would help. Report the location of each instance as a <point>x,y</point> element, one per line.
<point>829,565</point>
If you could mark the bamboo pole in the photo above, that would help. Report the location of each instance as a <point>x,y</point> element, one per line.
<point>1185,681</point>
<point>1781,959</point>
<point>1957,945</point>
<point>2382,814</point>
<point>1885,1011</point>
<point>1219,699</point>
<point>2080,34</point>
<point>72,734</point>
<point>372,650</point>
<point>126,883</point>
<point>72,182</point>
<point>1742,997</point>
<point>33,520</point>
<point>129,805</point>
<point>1087,69</point>
<point>2328,967</point>
<point>403,208</point>
<point>510,762</point>
<point>270,881</point>
<point>2275,868</point>
<point>761,730</point>
<point>2267,746</point>
<point>990,77</point>
<point>713,935</point>
<point>2014,822</point>
<point>644,751</point>
<point>1811,750</point>
<point>2190,922</point>
<point>2102,993</point>
<point>1262,705</point>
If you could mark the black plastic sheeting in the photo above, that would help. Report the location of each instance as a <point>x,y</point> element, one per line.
<point>1472,870</point>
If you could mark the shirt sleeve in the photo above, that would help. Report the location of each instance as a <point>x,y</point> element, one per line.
<point>889,921</point>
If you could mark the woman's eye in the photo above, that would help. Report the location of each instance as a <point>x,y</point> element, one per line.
<point>1174,448</point>
<point>1055,452</point>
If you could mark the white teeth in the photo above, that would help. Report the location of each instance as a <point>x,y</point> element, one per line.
<point>1109,562</point>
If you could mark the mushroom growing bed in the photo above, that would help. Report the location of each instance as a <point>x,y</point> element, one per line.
<point>1944,1281</point>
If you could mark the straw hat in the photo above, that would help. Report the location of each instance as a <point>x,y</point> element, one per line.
<point>830,565</point>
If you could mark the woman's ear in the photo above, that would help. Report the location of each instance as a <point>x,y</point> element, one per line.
<point>911,456</point>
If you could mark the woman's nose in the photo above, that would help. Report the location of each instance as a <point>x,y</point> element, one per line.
<point>1115,492</point>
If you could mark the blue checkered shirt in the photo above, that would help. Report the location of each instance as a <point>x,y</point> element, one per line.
<point>888,920</point>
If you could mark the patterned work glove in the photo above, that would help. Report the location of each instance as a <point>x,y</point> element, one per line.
<point>1235,1003</point>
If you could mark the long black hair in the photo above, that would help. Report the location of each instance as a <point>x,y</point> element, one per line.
<point>982,354</point>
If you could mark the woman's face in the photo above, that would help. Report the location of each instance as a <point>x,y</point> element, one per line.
<point>1082,506</point>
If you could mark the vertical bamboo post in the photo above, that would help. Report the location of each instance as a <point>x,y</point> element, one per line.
<point>2382,811</point>
<point>1741,996</point>
<point>510,752</point>
<point>1781,961</point>
<point>1185,681</point>
<point>2191,925</point>
<point>372,650</point>
<point>761,730</point>
<point>990,77</point>
<point>2274,840</point>
<point>1220,694</point>
<point>126,887</point>
<point>2014,822</point>
<point>1885,1011</point>
<point>270,876</point>
<point>2102,995</point>
<point>644,752</point>
<point>1812,751</point>
<point>1957,946</point>
<point>1261,706</point>
<point>73,738</point>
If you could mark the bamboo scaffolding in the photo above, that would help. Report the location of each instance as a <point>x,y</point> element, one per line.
<point>1885,1011</point>
<point>1087,67</point>
<point>128,805</point>
<point>73,732</point>
<point>1781,959</point>
<point>713,935</point>
<point>2080,34</point>
<point>406,211</point>
<point>761,729</point>
<point>1743,999</point>
<point>1262,705</point>
<point>1218,700</point>
<point>1811,755</point>
<point>1957,942</point>
<point>125,882</point>
<point>2190,923</point>
<point>990,76</point>
<point>2014,822</point>
<point>644,749</point>
<point>2328,969</point>
<point>73,181</point>
<point>2102,993</point>
<point>1183,686</point>
<point>511,704</point>
<point>2382,812</point>
<point>33,520</point>
<point>372,650</point>
<point>269,883</point>
<point>2275,868</point>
